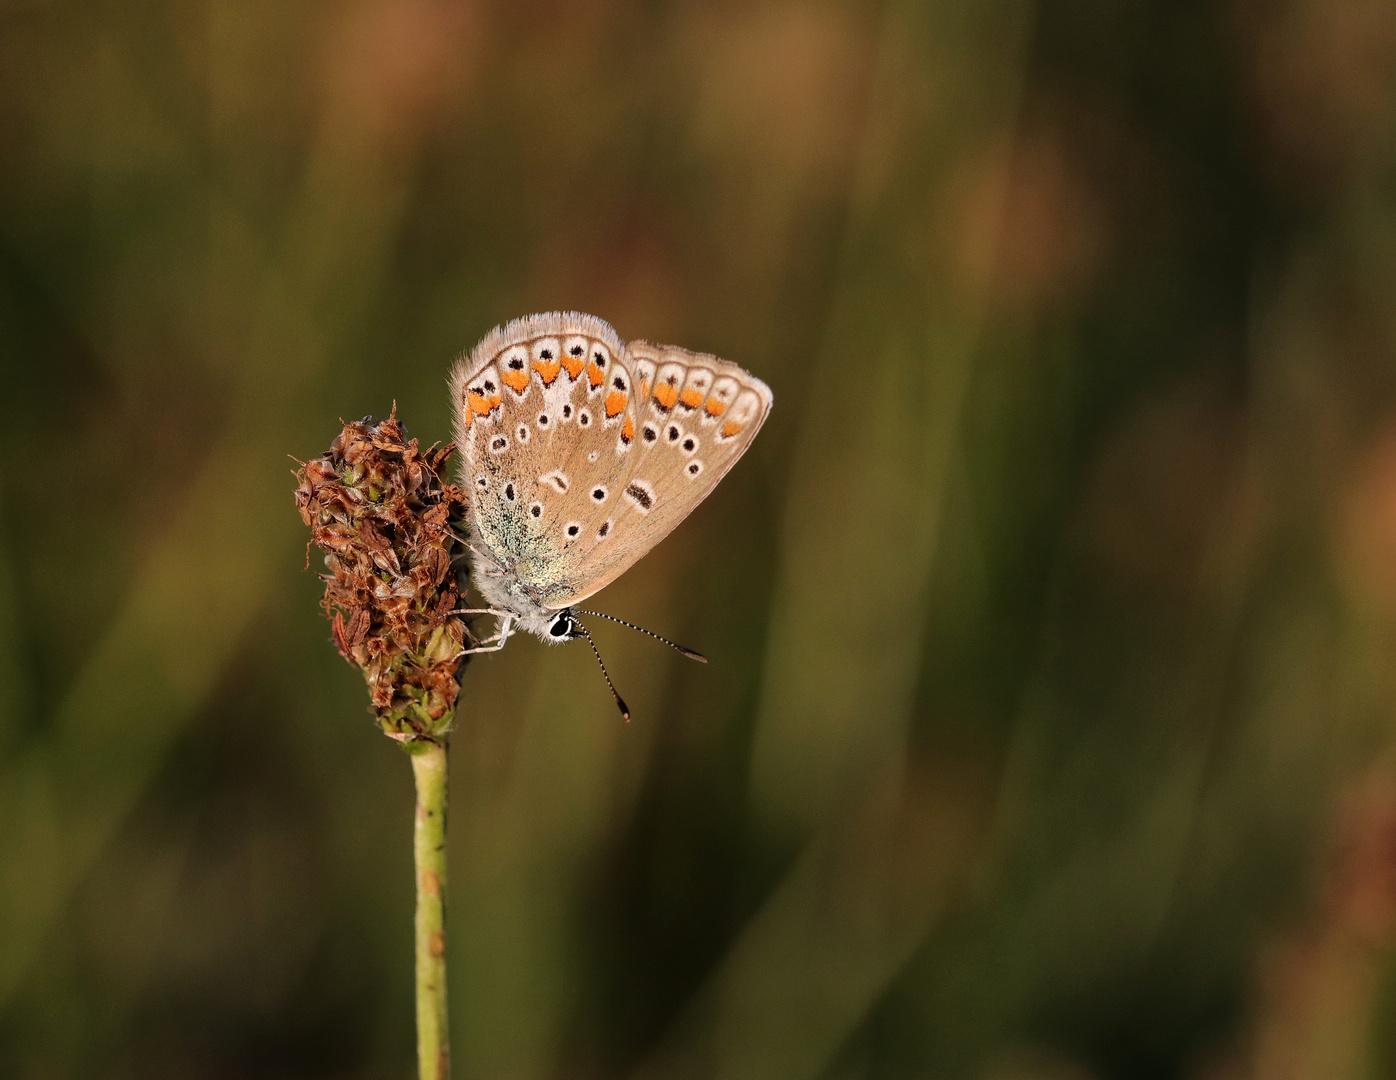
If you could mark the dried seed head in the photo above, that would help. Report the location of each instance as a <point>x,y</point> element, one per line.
<point>377,507</point>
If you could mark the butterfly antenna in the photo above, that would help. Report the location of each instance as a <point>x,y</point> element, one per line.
<point>604,673</point>
<point>672,644</point>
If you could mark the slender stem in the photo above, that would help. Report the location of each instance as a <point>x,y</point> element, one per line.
<point>429,849</point>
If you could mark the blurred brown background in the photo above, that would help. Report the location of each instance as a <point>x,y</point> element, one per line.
<point>1050,729</point>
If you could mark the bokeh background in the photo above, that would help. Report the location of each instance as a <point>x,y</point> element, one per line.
<point>1050,729</point>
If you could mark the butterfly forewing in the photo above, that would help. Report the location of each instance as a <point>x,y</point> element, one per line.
<point>694,416</point>
<point>582,453</point>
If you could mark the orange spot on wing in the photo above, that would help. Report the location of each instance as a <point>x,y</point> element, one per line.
<point>615,401</point>
<point>516,380</point>
<point>547,370</point>
<point>469,417</point>
<point>715,407</point>
<point>627,430</point>
<point>595,375</point>
<point>691,397</point>
<point>574,365</point>
<point>479,404</point>
<point>666,395</point>
<point>731,428</point>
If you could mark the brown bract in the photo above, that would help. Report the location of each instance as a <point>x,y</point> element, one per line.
<point>377,507</point>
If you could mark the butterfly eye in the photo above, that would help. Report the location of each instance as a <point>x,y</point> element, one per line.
<point>561,627</point>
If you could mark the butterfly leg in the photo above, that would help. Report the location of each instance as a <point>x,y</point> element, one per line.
<point>499,638</point>
<point>495,643</point>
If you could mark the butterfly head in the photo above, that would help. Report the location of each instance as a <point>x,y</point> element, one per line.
<point>564,627</point>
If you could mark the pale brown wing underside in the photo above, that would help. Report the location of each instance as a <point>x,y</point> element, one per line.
<point>582,453</point>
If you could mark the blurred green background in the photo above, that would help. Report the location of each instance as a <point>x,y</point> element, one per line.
<point>1050,729</point>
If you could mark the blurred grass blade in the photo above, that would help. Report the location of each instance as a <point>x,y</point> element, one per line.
<point>201,587</point>
<point>17,698</point>
<point>842,923</point>
<point>865,498</point>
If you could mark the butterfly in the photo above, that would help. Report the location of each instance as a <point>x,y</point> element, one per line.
<point>580,453</point>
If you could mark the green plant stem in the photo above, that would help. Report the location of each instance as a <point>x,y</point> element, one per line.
<point>429,849</point>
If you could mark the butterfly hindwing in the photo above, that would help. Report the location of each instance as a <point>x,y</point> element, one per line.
<point>541,405</point>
